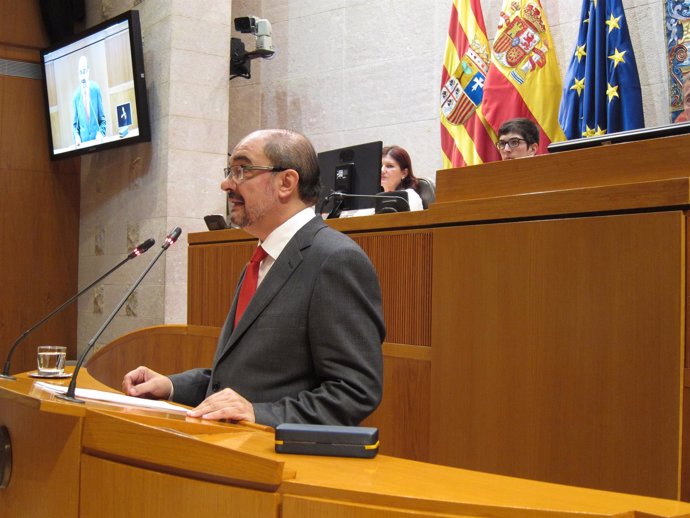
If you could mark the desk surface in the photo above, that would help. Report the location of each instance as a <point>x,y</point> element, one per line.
<point>391,483</point>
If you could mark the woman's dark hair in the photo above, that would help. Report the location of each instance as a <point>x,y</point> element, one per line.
<point>402,158</point>
<point>526,128</point>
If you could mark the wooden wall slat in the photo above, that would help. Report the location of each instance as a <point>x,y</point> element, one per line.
<point>404,266</point>
<point>39,212</point>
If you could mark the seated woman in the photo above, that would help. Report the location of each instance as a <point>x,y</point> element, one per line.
<point>397,175</point>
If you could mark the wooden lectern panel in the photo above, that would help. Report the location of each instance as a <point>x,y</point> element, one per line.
<point>45,461</point>
<point>167,349</point>
<point>557,350</point>
<point>213,273</point>
<point>403,262</point>
<point>132,491</point>
<point>132,461</point>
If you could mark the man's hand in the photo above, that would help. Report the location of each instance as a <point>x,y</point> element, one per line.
<point>143,382</point>
<point>226,404</point>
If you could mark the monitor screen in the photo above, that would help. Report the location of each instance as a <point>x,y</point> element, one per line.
<point>621,136</point>
<point>95,89</point>
<point>392,201</point>
<point>353,171</point>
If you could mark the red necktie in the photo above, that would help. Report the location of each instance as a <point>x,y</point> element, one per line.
<point>86,104</point>
<point>251,277</point>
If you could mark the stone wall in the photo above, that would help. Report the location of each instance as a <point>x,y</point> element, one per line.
<point>135,192</point>
<point>347,72</point>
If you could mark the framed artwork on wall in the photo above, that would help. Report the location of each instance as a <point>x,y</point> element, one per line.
<point>677,20</point>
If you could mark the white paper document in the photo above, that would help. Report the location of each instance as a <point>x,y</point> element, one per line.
<point>114,397</point>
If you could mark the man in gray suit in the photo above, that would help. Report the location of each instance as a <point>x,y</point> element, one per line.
<point>307,349</point>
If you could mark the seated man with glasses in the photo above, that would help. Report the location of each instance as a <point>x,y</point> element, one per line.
<point>518,138</point>
<point>302,340</point>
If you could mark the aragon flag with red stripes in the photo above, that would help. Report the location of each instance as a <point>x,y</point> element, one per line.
<point>465,66</point>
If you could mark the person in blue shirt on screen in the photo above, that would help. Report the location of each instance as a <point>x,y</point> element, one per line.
<point>87,106</point>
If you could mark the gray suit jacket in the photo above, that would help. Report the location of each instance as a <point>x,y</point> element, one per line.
<point>308,348</point>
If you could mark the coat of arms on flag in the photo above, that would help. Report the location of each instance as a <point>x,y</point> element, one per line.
<point>518,44</point>
<point>463,91</point>
<point>466,64</point>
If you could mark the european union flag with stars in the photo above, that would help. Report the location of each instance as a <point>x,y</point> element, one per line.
<point>601,92</point>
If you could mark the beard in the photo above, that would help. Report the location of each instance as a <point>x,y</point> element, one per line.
<point>245,215</point>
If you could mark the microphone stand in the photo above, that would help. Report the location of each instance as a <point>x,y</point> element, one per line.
<point>340,198</point>
<point>134,253</point>
<point>70,394</point>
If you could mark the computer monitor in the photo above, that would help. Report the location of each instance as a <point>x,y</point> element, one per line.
<point>621,136</point>
<point>391,202</point>
<point>354,172</point>
<point>95,89</point>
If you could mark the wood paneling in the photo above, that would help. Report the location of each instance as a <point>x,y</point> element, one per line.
<point>630,163</point>
<point>404,415</point>
<point>403,263</point>
<point>21,29</point>
<point>137,492</point>
<point>557,349</point>
<point>165,349</point>
<point>45,455</point>
<point>39,214</point>
<point>213,272</point>
<point>122,437</point>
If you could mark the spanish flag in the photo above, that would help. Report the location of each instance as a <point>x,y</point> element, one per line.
<point>465,66</point>
<point>524,78</point>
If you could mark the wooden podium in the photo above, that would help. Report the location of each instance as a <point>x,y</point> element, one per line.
<point>100,460</point>
<point>536,317</point>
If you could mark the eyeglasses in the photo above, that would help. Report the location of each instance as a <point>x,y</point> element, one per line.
<point>239,172</point>
<point>511,142</point>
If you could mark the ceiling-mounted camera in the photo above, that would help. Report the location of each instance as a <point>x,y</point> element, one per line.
<point>240,58</point>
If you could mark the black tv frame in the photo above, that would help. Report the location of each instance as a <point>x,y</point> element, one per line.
<point>363,163</point>
<point>77,44</point>
<point>621,136</point>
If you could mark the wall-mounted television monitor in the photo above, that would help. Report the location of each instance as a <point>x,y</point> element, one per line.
<point>95,89</point>
<point>354,172</point>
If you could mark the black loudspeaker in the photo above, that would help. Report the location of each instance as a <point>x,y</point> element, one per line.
<point>59,17</point>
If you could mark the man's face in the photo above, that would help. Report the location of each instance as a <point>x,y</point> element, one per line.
<point>83,73</point>
<point>520,149</point>
<point>254,197</point>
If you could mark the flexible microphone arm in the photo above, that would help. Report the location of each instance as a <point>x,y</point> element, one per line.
<point>341,195</point>
<point>134,253</point>
<point>70,394</point>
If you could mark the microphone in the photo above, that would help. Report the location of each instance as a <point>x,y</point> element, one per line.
<point>70,394</point>
<point>143,247</point>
